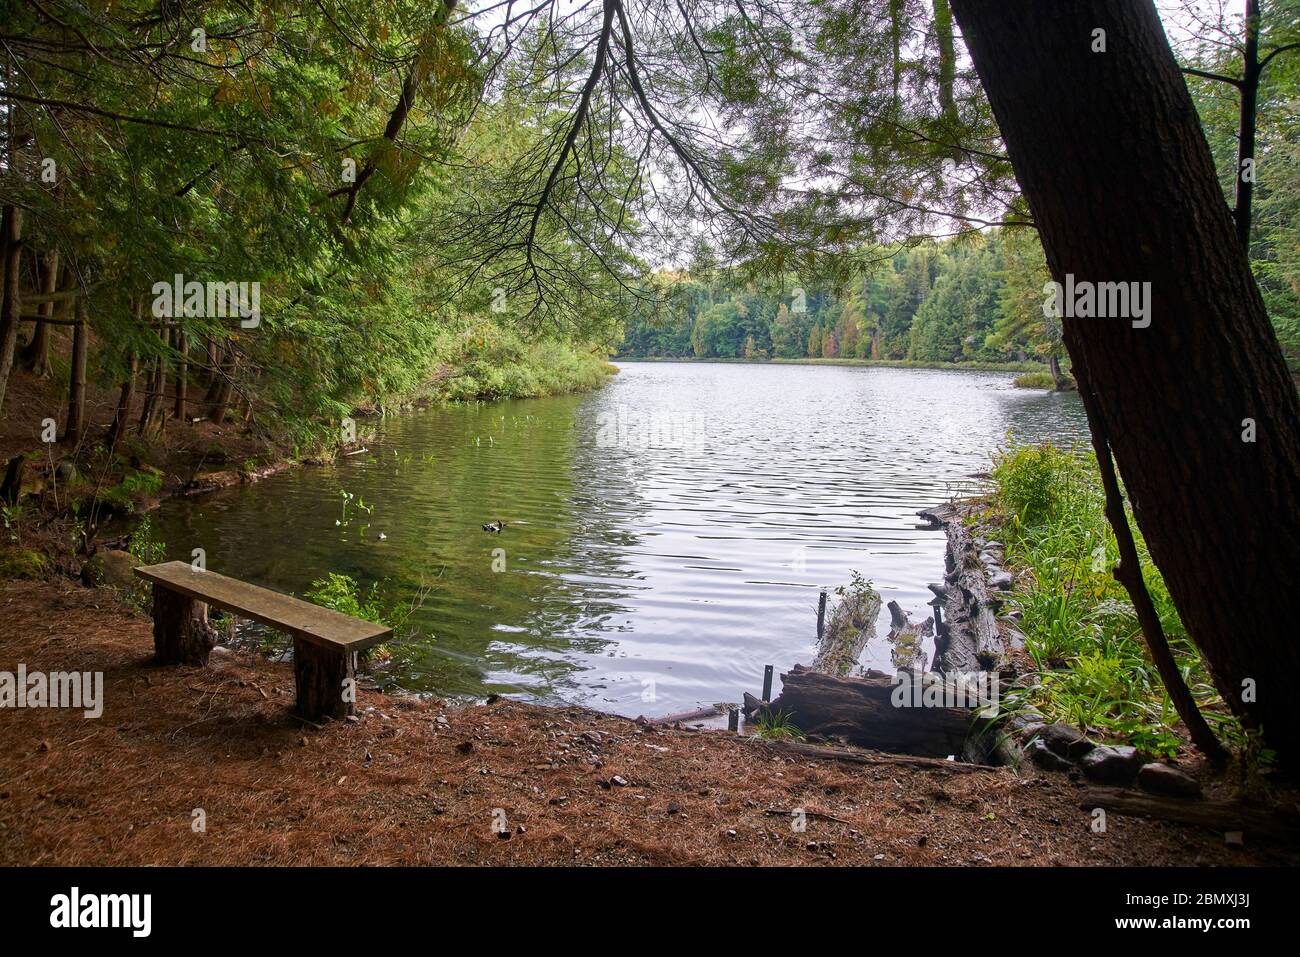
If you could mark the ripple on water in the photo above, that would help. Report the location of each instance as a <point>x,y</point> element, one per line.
<point>665,537</point>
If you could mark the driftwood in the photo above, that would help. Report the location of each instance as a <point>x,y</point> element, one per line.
<point>800,749</point>
<point>905,638</point>
<point>852,625</point>
<point>967,637</point>
<point>861,711</point>
<point>710,711</point>
<point>1222,816</point>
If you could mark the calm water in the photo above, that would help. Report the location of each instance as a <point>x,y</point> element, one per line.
<point>665,537</point>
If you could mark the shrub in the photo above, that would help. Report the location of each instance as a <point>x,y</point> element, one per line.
<point>1093,668</point>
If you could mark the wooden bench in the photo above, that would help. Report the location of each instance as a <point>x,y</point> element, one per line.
<point>325,642</point>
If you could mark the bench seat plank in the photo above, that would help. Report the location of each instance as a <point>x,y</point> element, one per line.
<point>320,626</point>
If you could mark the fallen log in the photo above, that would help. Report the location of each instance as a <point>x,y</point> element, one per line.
<point>852,626</point>
<point>862,711</point>
<point>823,752</point>
<point>967,638</point>
<point>906,638</point>
<point>711,711</point>
<point>1223,816</point>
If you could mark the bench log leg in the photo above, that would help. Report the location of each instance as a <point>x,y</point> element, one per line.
<point>325,679</point>
<point>181,633</point>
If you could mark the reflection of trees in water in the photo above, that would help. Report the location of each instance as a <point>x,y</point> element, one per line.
<point>1033,416</point>
<point>521,462</point>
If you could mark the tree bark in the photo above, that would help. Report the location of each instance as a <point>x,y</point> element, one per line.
<point>182,373</point>
<point>862,712</point>
<point>219,394</point>
<point>1250,71</point>
<point>125,399</point>
<point>1054,367</point>
<point>11,248</point>
<point>36,354</point>
<point>77,375</point>
<point>1202,417</point>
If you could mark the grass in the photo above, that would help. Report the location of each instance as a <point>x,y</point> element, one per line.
<point>1034,380</point>
<point>1093,669</point>
<point>777,726</point>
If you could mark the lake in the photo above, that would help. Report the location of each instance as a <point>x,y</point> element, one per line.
<point>665,537</point>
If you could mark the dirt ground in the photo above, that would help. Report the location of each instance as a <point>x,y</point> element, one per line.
<point>182,451</point>
<point>414,782</point>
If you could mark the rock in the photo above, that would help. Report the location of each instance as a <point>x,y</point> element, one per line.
<point>1066,741</point>
<point>110,566</point>
<point>1165,779</point>
<point>1001,580</point>
<point>1111,764</point>
<point>1047,759</point>
<point>618,781</point>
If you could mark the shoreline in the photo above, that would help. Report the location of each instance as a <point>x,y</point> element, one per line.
<point>506,782</point>
<point>869,363</point>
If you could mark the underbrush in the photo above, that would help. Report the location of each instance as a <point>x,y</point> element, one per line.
<point>1093,668</point>
<point>497,363</point>
<point>1034,380</point>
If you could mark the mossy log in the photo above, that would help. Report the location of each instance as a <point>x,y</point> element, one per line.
<point>852,626</point>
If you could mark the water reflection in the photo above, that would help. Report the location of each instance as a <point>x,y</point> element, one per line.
<point>664,538</point>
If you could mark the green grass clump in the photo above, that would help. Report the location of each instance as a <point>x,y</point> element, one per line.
<point>1093,668</point>
<point>1034,380</point>
<point>777,726</point>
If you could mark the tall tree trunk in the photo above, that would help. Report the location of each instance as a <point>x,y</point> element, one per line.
<point>36,354</point>
<point>77,376</point>
<point>150,396</point>
<point>1199,410</point>
<point>1054,367</point>
<point>1246,132</point>
<point>11,249</point>
<point>947,70</point>
<point>124,400</point>
<point>220,392</point>
<point>182,372</point>
<point>154,382</point>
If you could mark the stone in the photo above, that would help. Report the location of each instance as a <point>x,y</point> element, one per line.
<point>1109,764</point>
<point>1047,759</point>
<point>1166,779</point>
<point>1065,740</point>
<point>110,566</point>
